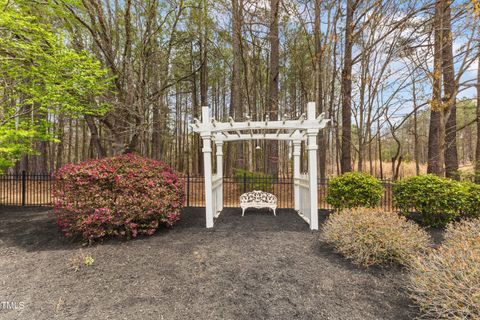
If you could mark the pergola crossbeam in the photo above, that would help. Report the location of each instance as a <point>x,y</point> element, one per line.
<point>259,136</point>
<point>261,125</point>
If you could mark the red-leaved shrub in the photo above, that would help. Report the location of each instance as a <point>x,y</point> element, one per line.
<point>122,196</point>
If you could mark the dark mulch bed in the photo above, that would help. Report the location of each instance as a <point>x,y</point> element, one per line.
<point>256,267</point>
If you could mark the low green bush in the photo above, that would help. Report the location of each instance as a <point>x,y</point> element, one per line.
<point>472,208</point>
<point>437,200</point>
<point>354,189</point>
<point>253,180</point>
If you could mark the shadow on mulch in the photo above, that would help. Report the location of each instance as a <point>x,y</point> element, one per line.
<point>32,228</point>
<point>259,220</point>
<point>35,229</point>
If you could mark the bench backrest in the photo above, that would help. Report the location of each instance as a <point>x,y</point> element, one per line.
<point>258,197</point>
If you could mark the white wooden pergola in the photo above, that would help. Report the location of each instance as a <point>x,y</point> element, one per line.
<point>302,129</point>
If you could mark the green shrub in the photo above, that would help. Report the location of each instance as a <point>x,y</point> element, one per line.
<point>372,236</point>
<point>354,189</point>
<point>438,200</point>
<point>253,180</point>
<point>472,208</point>
<point>445,283</point>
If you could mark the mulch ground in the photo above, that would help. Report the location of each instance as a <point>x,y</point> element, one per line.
<point>256,267</point>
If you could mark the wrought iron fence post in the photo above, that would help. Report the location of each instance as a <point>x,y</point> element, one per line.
<point>24,188</point>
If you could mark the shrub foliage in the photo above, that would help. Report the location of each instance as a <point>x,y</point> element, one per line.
<point>253,180</point>
<point>472,207</point>
<point>446,282</point>
<point>438,200</point>
<point>371,236</point>
<point>121,196</point>
<point>354,189</point>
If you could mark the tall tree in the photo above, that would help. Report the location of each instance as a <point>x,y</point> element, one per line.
<point>273,81</point>
<point>450,98</point>
<point>204,55</point>
<point>435,136</point>
<point>236,110</point>
<point>416,148</point>
<point>41,79</point>
<point>346,94</point>
<point>322,152</point>
<point>203,71</point>
<point>477,151</point>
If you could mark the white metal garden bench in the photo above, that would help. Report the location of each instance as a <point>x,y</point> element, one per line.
<point>258,199</point>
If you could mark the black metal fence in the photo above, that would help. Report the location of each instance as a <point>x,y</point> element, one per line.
<point>26,189</point>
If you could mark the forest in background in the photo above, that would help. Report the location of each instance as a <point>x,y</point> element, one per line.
<point>84,79</point>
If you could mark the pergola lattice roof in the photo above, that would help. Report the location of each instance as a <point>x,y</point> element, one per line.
<point>289,130</point>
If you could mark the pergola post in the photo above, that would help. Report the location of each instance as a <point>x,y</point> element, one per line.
<point>219,145</point>
<point>312,167</point>
<point>207,167</point>
<point>296,173</point>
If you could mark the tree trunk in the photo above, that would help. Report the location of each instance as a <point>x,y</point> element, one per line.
<point>70,139</point>
<point>346,156</point>
<point>41,160</point>
<point>60,145</point>
<point>416,147</point>
<point>322,150</point>
<point>95,137</point>
<point>204,53</point>
<point>236,110</point>
<point>77,140</point>
<point>435,155</point>
<point>273,82</point>
<point>156,131</point>
<point>42,164</point>
<point>477,151</point>
<point>380,157</point>
<point>84,141</point>
<point>450,89</point>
